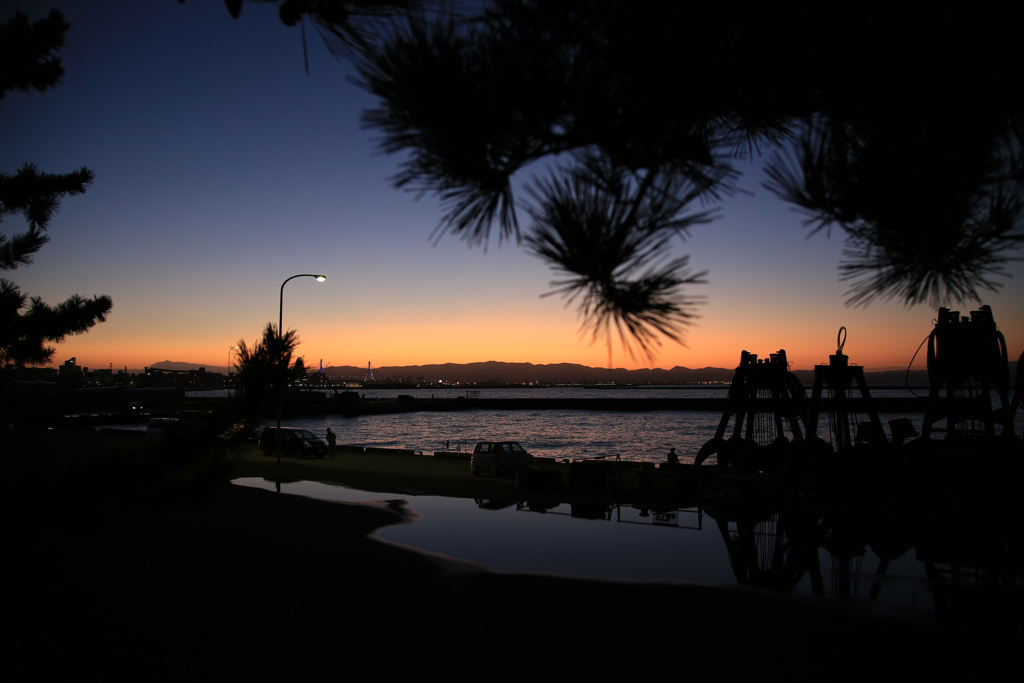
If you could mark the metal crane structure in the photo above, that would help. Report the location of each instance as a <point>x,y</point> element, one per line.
<point>835,382</point>
<point>967,362</point>
<point>765,398</point>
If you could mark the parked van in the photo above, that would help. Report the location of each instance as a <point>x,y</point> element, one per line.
<point>299,443</point>
<point>160,430</point>
<point>498,457</point>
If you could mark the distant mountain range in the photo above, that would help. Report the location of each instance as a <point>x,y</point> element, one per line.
<point>495,372</point>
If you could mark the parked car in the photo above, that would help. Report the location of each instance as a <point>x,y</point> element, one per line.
<point>162,430</point>
<point>498,457</point>
<point>299,443</point>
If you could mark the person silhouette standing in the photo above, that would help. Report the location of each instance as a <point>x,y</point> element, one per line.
<point>331,440</point>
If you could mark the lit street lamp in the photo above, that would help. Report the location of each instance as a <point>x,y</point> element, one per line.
<point>280,308</point>
<point>280,333</point>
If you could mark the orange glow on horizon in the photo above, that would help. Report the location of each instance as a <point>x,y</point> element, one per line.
<point>517,340</point>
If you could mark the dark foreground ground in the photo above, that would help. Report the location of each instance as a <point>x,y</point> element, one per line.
<point>225,581</point>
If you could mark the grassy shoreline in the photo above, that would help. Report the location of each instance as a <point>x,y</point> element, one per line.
<point>379,471</point>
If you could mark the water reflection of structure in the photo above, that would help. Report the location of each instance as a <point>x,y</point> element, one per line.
<point>795,538</point>
<point>606,511</point>
<point>772,551</point>
<point>975,580</point>
<point>976,577</point>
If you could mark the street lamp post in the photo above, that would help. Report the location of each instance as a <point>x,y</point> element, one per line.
<point>280,333</point>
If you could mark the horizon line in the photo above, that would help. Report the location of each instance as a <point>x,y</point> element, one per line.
<point>313,368</point>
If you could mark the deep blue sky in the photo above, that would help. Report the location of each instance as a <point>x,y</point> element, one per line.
<point>222,168</point>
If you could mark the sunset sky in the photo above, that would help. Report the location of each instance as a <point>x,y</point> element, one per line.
<point>222,169</point>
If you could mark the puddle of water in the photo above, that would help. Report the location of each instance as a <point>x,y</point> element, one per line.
<point>622,543</point>
<point>626,543</point>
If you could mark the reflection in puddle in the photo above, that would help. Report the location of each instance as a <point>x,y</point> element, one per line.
<point>621,542</point>
<point>640,544</point>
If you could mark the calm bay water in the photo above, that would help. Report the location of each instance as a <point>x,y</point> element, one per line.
<point>548,433</point>
<point>573,434</point>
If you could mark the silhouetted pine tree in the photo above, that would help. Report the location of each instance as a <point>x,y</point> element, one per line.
<point>901,126</point>
<point>28,62</point>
